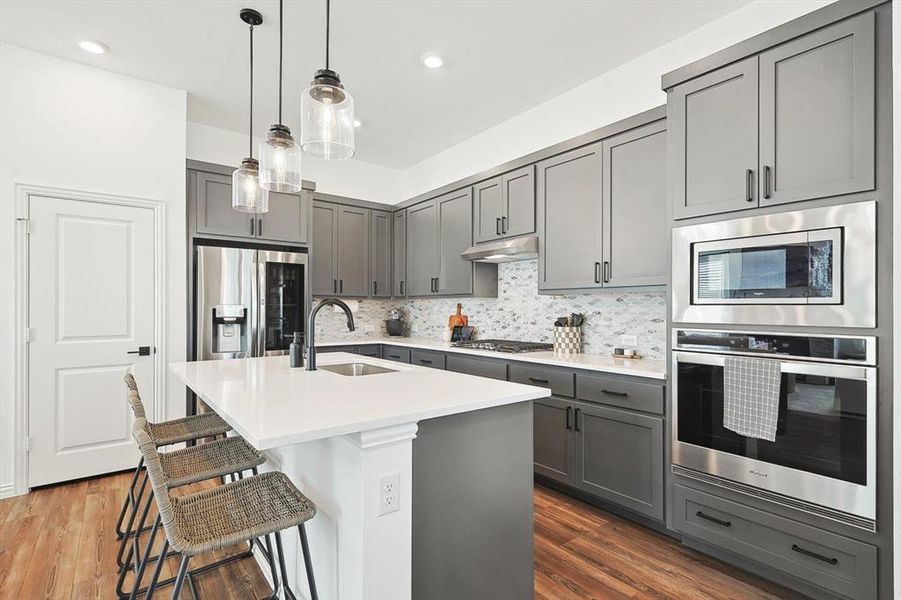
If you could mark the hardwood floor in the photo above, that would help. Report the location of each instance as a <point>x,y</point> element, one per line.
<point>58,542</point>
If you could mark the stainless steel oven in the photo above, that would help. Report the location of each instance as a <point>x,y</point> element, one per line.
<point>807,267</point>
<point>823,459</point>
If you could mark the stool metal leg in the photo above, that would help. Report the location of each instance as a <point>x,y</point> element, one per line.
<point>129,499</point>
<point>180,579</point>
<point>307,561</point>
<point>156,572</point>
<point>131,520</point>
<point>275,584</point>
<point>281,563</point>
<point>139,572</point>
<point>134,538</point>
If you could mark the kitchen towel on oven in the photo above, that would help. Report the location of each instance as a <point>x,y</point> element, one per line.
<point>751,397</point>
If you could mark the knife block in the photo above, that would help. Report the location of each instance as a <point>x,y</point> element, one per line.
<point>568,340</point>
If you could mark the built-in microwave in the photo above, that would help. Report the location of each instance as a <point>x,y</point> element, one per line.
<point>813,267</point>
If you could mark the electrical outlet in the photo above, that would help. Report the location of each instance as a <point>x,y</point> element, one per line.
<point>389,496</point>
<point>629,340</point>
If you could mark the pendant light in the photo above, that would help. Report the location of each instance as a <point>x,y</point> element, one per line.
<point>279,153</point>
<point>247,195</point>
<point>327,112</point>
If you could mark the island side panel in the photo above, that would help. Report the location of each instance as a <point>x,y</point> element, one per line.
<point>472,505</point>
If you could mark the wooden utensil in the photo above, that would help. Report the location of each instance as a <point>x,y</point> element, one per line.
<point>458,319</point>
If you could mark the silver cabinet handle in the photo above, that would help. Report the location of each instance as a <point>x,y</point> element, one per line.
<point>749,183</point>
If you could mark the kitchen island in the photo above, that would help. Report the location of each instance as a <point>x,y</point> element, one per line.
<point>422,478</point>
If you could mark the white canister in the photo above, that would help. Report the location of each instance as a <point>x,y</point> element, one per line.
<point>568,340</point>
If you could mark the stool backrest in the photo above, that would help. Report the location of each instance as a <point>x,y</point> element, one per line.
<point>134,398</point>
<point>158,479</point>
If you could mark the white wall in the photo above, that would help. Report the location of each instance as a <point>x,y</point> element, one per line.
<point>71,126</point>
<point>625,91</point>
<point>351,178</point>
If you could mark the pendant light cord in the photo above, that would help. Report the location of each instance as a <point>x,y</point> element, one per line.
<point>250,130</point>
<point>281,11</point>
<point>327,10</point>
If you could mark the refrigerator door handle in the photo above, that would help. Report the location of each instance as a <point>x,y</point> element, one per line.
<point>261,304</point>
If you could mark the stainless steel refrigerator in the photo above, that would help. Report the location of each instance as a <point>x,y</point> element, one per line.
<point>247,301</point>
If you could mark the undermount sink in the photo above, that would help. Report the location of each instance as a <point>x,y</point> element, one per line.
<point>356,369</point>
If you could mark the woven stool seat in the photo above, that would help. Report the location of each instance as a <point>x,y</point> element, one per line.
<point>210,460</point>
<point>236,512</point>
<point>187,429</point>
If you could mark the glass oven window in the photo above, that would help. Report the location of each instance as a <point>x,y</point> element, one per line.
<point>284,297</point>
<point>822,426</point>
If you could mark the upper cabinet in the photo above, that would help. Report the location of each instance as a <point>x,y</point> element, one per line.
<point>504,206</point>
<point>339,253</point>
<point>422,249</point>
<point>380,254</point>
<point>286,220</point>
<point>399,274</point>
<point>793,123</point>
<point>324,257</point>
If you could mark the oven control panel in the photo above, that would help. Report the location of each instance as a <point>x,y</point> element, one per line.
<point>859,350</point>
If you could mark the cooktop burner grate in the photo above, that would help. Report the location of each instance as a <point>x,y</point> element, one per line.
<point>505,346</point>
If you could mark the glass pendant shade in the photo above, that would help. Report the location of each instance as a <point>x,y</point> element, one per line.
<point>247,195</point>
<point>280,161</point>
<point>327,118</point>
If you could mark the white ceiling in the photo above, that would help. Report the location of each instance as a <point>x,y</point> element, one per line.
<point>501,57</point>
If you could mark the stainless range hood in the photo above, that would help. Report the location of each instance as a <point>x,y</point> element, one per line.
<point>519,248</point>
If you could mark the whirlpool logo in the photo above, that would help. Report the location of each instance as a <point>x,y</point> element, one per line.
<point>758,473</point>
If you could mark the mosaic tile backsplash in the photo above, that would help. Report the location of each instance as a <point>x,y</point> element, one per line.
<point>520,313</point>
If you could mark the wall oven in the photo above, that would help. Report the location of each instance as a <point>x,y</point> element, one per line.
<point>823,459</point>
<point>807,267</point>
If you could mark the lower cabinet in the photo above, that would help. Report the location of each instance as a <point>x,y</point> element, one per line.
<point>480,367</point>
<point>428,358</point>
<point>396,353</point>
<point>553,440</point>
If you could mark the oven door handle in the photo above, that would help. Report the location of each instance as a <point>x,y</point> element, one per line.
<point>786,366</point>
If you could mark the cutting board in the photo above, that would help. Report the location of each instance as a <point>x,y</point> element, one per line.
<point>458,319</point>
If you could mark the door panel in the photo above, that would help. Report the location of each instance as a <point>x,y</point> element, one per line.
<point>552,423</point>
<point>422,248</point>
<point>454,236</point>
<point>488,203</point>
<point>519,202</point>
<point>286,220</point>
<point>817,114</point>
<point>353,251</point>
<point>91,302</point>
<point>380,251</point>
<point>569,220</point>
<point>636,232</point>
<point>213,206</point>
<point>714,135</point>
<point>399,274</point>
<point>324,249</point>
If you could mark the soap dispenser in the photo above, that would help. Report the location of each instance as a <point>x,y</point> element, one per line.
<point>295,350</point>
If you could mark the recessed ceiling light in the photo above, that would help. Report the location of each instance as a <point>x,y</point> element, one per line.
<point>93,47</point>
<point>357,122</point>
<point>432,60</point>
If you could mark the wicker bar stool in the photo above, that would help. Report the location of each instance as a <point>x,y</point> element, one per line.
<point>176,431</point>
<point>217,518</point>
<point>212,460</point>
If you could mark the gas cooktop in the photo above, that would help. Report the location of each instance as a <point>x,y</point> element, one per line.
<point>504,346</point>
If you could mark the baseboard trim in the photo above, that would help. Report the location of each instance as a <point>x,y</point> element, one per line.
<point>7,490</point>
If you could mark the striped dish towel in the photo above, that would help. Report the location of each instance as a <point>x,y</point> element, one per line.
<point>751,397</point>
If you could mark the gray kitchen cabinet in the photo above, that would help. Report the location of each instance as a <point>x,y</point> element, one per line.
<point>569,220</point>
<point>636,231</point>
<point>619,457</point>
<point>396,353</point>
<point>422,249</point>
<point>454,275</point>
<point>353,251</point>
<point>213,208</point>
<point>324,249</point>
<point>286,220</point>
<point>817,114</point>
<point>428,358</point>
<point>552,433</point>
<point>380,254</point>
<point>478,366</point>
<point>371,350</point>
<point>504,206</point>
<point>399,271</point>
<point>713,124</point>
<point>488,208</point>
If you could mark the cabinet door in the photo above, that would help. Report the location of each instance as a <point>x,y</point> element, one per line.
<point>454,236</point>
<point>817,114</point>
<point>619,457</point>
<point>552,435</point>
<point>324,249</point>
<point>353,251</point>
<point>422,249</point>
<point>399,274</point>
<point>286,220</point>
<point>713,124</point>
<point>213,205</point>
<point>519,202</point>
<point>380,254</point>
<point>636,232</point>
<point>569,220</point>
<point>488,209</point>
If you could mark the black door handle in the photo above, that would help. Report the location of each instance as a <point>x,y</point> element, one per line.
<point>394,356</point>
<point>437,285</point>
<point>340,286</point>
<point>612,393</point>
<point>569,412</point>
<point>749,183</point>
<point>259,227</point>
<point>375,288</point>
<point>425,361</point>
<point>597,272</point>
<point>538,380</point>
<point>714,519</point>
<point>825,559</point>
<point>766,182</point>
<point>335,286</point>
<point>577,427</point>
<point>402,287</point>
<point>606,271</point>
<point>503,224</point>
<point>497,226</point>
<point>141,351</point>
<point>252,220</point>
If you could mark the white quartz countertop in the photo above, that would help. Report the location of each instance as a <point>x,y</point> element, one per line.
<point>271,404</point>
<point>644,367</point>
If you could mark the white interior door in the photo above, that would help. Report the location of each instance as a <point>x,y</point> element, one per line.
<point>91,302</point>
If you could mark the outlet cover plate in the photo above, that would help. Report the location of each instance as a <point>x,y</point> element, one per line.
<point>389,496</point>
<point>629,340</point>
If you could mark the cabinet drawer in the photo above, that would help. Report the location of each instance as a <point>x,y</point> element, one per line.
<point>373,350</point>
<point>482,367</point>
<point>427,358</point>
<point>825,559</point>
<point>561,383</point>
<point>634,395</point>
<point>396,353</point>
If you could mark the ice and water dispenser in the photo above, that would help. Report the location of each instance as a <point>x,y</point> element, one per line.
<point>229,328</point>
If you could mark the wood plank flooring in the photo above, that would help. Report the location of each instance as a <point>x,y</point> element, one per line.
<point>58,542</point>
